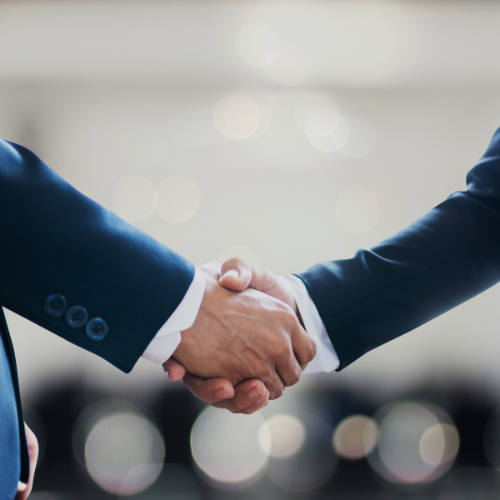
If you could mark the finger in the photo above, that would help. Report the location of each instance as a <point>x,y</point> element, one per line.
<point>24,490</point>
<point>246,394</point>
<point>174,369</point>
<point>303,346</point>
<point>259,404</point>
<point>235,274</point>
<point>288,368</point>
<point>210,390</point>
<point>275,384</point>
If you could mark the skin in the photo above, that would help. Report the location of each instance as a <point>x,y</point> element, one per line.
<point>243,336</point>
<point>250,395</point>
<point>23,490</point>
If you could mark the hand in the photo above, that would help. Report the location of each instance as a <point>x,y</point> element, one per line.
<point>23,490</point>
<point>249,396</point>
<point>242,336</point>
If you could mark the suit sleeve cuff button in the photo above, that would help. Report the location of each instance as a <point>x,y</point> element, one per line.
<point>96,329</point>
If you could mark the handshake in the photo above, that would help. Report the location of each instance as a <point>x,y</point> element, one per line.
<point>247,343</point>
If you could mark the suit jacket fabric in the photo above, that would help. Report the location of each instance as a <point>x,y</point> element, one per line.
<point>55,240</point>
<point>443,259</point>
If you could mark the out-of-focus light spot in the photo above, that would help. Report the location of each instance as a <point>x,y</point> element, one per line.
<point>355,437</point>
<point>124,453</point>
<point>242,252</point>
<point>257,45</point>
<point>178,199</point>
<point>230,448</point>
<point>287,435</point>
<point>414,445</point>
<point>357,209</point>
<point>236,116</point>
<point>292,66</point>
<point>312,464</point>
<point>361,138</point>
<point>439,444</point>
<point>135,198</point>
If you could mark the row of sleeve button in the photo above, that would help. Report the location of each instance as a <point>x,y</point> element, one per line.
<point>56,305</point>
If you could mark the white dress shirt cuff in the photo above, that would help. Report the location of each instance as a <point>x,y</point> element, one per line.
<point>168,337</point>
<point>326,358</point>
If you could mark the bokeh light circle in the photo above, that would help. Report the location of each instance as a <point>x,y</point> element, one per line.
<point>124,453</point>
<point>357,209</point>
<point>229,448</point>
<point>135,198</point>
<point>236,116</point>
<point>417,443</point>
<point>257,45</point>
<point>355,437</point>
<point>242,252</point>
<point>178,199</point>
<point>287,435</point>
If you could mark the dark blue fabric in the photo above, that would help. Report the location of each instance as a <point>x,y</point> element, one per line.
<point>10,452</point>
<point>440,261</point>
<point>55,240</point>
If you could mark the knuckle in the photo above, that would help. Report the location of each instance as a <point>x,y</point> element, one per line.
<point>277,392</point>
<point>294,378</point>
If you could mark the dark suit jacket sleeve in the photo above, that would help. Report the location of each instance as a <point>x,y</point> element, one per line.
<point>440,261</point>
<point>55,240</point>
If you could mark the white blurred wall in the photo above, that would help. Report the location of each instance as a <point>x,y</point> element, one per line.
<point>107,90</point>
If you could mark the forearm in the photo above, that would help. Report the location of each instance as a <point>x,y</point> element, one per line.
<point>55,240</point>
<point>440,261</point>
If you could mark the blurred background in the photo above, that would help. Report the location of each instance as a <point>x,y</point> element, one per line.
<point>287,133</point>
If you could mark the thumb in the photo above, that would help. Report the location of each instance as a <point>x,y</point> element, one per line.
<point>238,275</point>
<point>235,274</point>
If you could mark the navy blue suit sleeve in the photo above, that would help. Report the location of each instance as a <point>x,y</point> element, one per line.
<point>55,240</point>
<point>440,261</point>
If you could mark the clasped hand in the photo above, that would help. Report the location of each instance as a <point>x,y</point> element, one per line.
<point>247,343</point>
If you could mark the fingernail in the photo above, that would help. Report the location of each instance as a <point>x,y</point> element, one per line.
<point>256,391</point>
<point>221,394</point>
<point>21,486</point>
<point>232,273</point>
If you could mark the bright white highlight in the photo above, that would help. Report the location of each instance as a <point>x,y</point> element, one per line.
<point>414,444</point>
<point>287,435</point>
<point>355,437</point>
<point>230,448</point>
<point>124,453</point>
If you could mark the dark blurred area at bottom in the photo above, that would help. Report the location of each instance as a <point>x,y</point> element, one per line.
<point>430,443</point>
